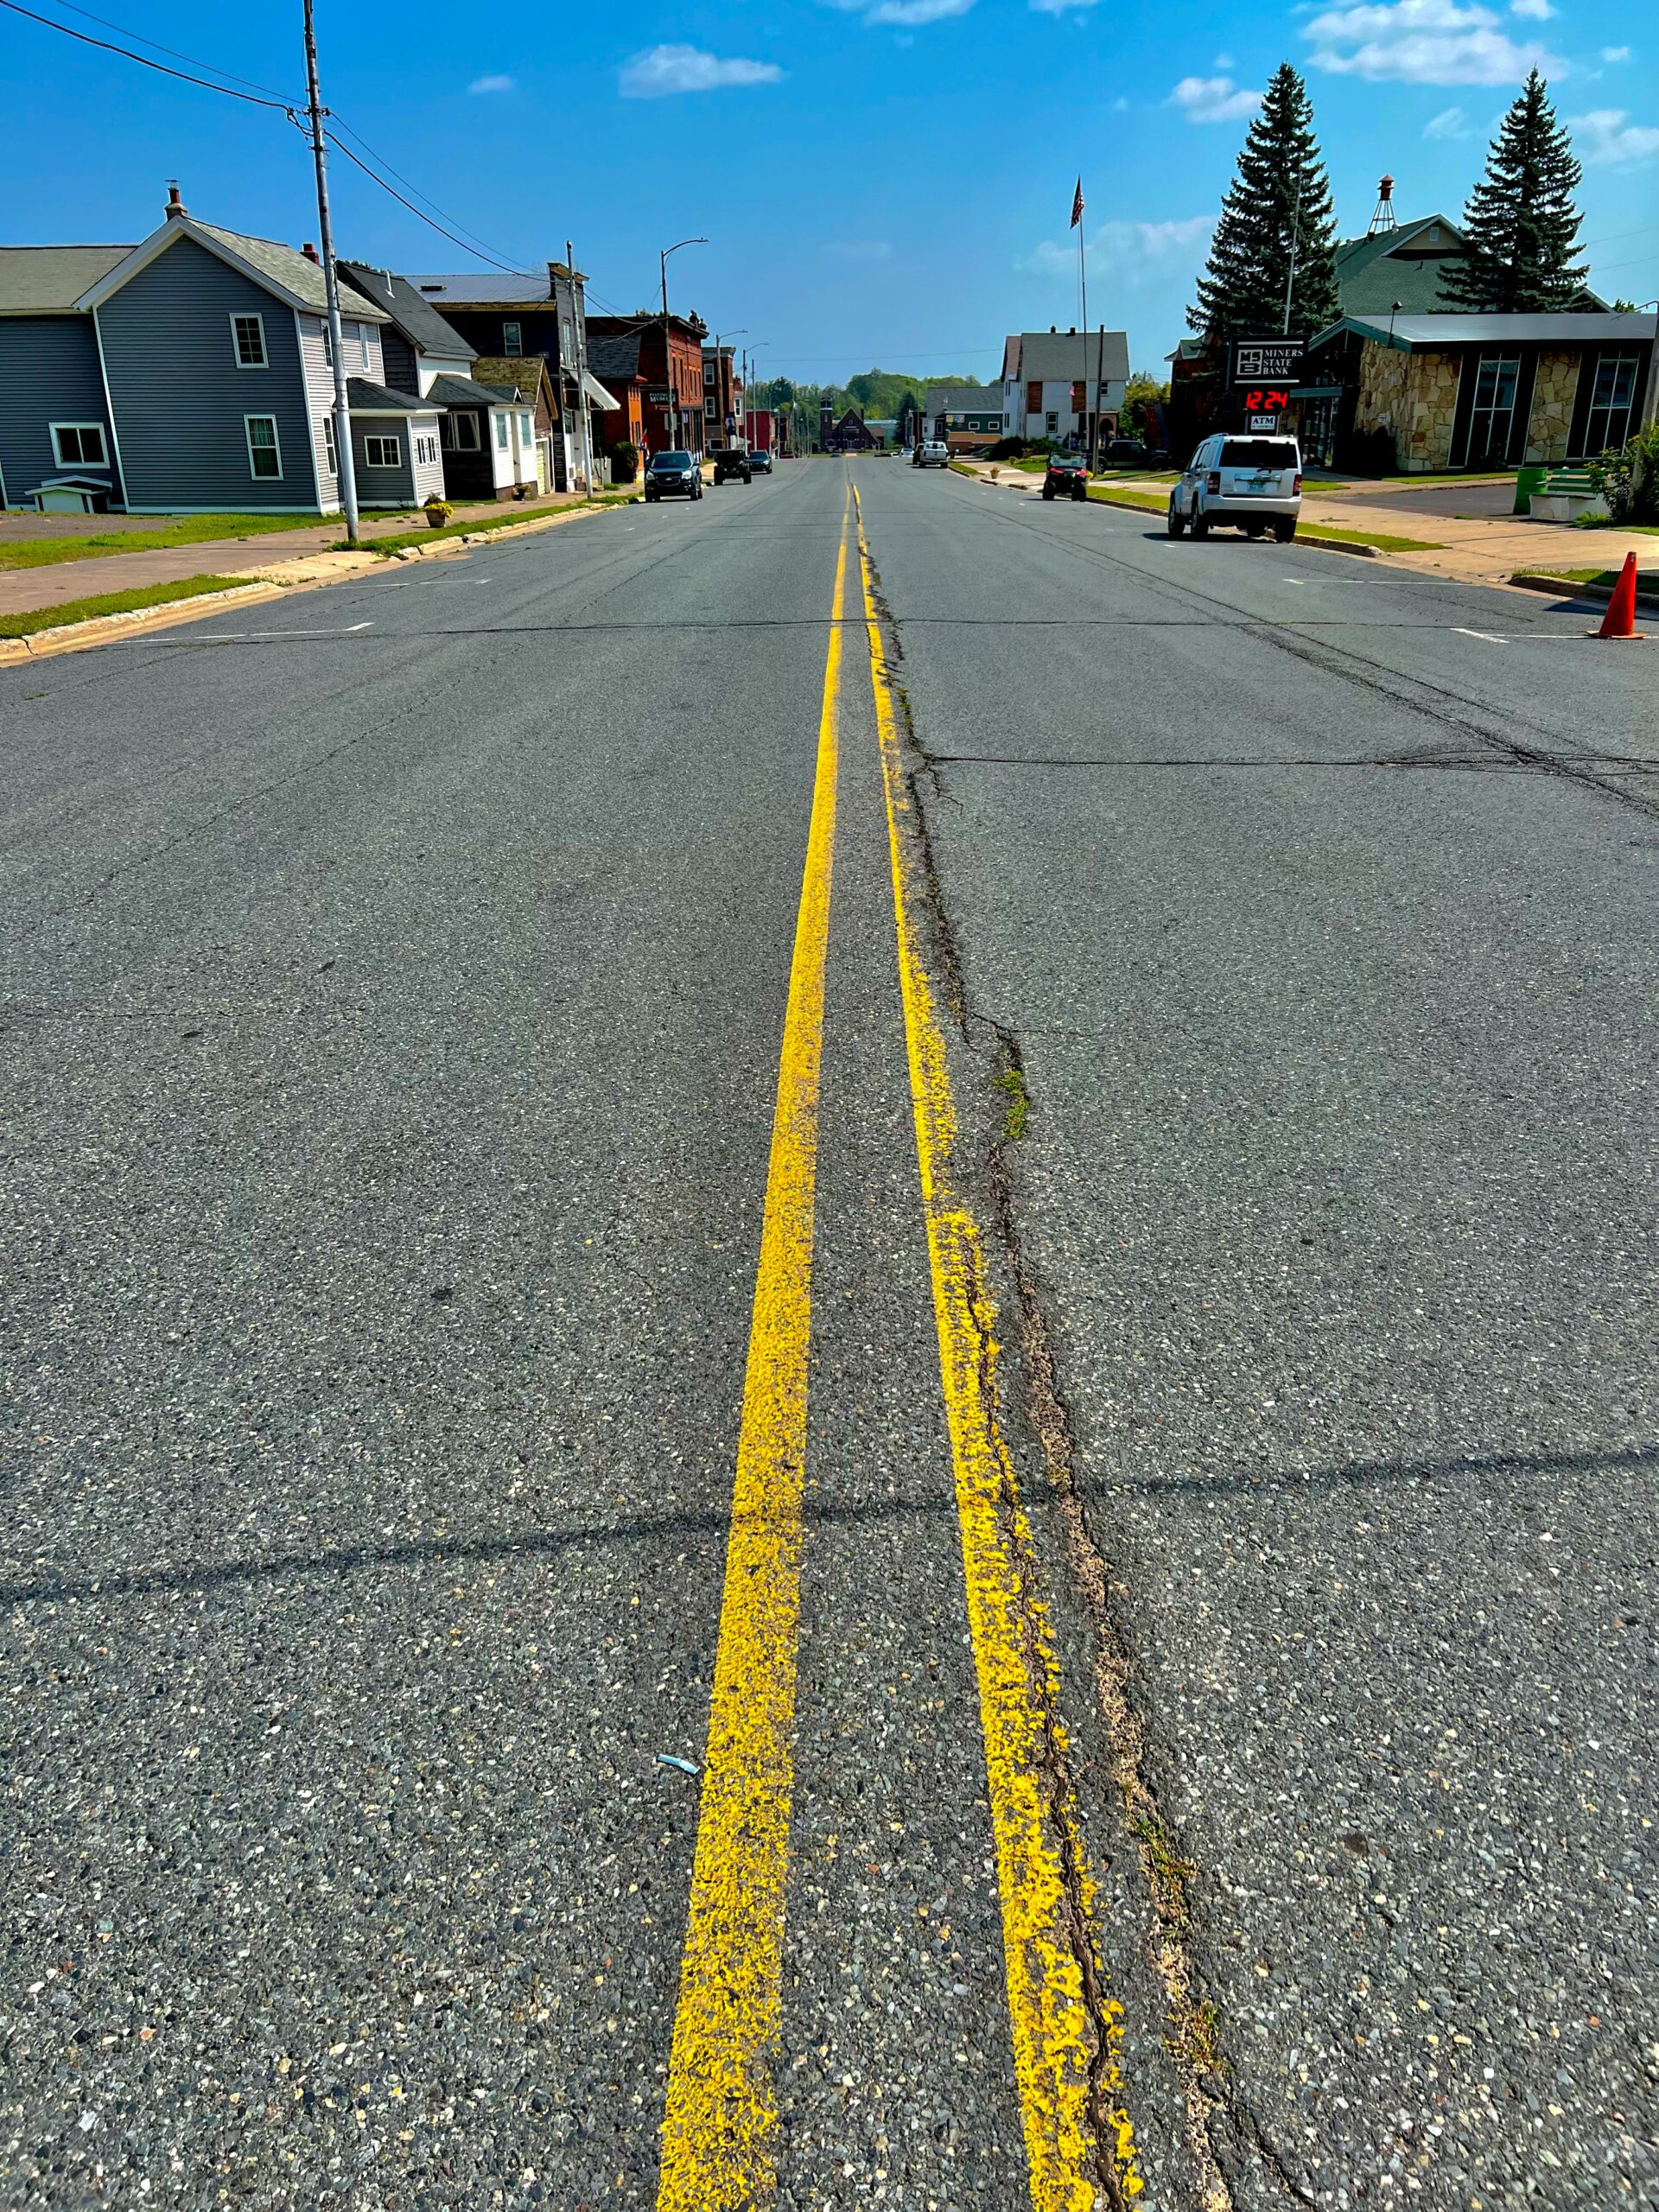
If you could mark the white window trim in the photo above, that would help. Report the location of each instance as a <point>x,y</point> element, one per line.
<point>383,438</point>
<point>102,439</point>
<point>263,362</point>
<point>331,457</point>
<point>515,352</point>
<point>276,447</point>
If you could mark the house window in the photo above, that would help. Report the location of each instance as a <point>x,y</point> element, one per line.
<point>464,428</point>
<point>383,453</point>
<point>524,428</point>
<point>513,338</point>
<point>363,343</point>
<point>327,348</point>
<point>80,445</point>
<point>708,410</point>
<point>329,453</point>
<point>501,432</point>
<point>1496,379</point>
<point>264,447</point>
<point>1053,422</point>
<point>248,334</point>
<point>1033,398</point>
<point>1612,398</point>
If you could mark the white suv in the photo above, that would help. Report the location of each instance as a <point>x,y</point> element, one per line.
<point>1251,483</point>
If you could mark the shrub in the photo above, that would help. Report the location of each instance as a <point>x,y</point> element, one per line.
<point>1629,481</point>
<point>1007,449</point>
<point>625,461</point>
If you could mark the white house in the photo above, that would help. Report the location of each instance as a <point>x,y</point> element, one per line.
<point>1053,381</point>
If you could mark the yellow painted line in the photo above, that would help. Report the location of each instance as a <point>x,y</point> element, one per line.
<point>719,2124</point>
<point>1080,2149</point>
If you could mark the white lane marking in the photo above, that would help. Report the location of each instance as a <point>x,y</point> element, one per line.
<point>1485,636</point>
<point>243,637</point>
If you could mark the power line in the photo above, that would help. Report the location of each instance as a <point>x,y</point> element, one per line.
<point>506,267</point>
<point>475,244</point>
<point>144,60</point>
<point>157,47</point>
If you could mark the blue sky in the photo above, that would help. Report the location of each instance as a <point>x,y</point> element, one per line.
<point>880,180</point>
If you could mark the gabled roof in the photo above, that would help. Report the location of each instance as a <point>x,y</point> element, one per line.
<point>961,398</point>
<point>1045,356</point>
<point>1428,333</point>
<point>366,398</point>
<point>1405,263</point>
<point>287,274</point>
<point>618,356</point>
<point>519,376</point>
<point>419,320</point>
<point>464,391</point>
<point>49,279</point>
<point>491,289</point>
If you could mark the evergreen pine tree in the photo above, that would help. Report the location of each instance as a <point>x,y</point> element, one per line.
<point>1280,191</point>
<point>1521,227</point>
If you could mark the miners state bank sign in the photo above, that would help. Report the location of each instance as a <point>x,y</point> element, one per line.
<point>1264,372</point>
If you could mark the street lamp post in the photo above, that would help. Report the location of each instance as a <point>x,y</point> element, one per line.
<point>675,410</point>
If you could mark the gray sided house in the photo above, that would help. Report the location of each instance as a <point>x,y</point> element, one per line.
<point>54,422</point>
<point>193,374</point>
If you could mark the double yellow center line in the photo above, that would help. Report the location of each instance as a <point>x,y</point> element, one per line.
<point>721,2122</point>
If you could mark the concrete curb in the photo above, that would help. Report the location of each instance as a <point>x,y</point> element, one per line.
<point>272,584</point>
<point>1565,588</point>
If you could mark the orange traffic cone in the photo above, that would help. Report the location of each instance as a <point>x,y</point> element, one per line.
<point>1619,621</point>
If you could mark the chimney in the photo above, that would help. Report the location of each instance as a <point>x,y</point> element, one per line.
<point>310,252</point>
<point>176,206</point>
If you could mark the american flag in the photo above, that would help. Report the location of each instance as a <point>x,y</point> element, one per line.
<point>1076,205</point>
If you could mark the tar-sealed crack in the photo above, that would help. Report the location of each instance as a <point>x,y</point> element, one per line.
<point>1223,2132</point>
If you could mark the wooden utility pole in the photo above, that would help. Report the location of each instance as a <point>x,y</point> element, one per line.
<point>344,464</point>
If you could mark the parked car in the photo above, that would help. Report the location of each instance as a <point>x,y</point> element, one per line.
<point>673,476</point>
<point>1066,476</point>
<point>1130,453</point>
<point>732,460</point>
<point>1252,483</point>
<point>760,460</point>
<point>932,453</point>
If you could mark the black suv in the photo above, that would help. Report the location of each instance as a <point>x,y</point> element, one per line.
<point>673,476</point>
<point>1066,473</point>
<point>731,461</point>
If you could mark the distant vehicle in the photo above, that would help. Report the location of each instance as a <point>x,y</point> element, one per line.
<point>760,460</point>
<point>1249,484</point>
<point>1124,453</point>
<point>1066,476</point>
<point>673,476</point>
<point>732,460</point>
<point>932,453</point>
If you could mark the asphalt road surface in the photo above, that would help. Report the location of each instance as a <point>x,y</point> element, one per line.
<point>829,1372</point>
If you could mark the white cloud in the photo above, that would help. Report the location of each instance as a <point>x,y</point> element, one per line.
<point>1539,10</point>
<point>1615,53</point>
<point>492,85</point>
<point>920,11</point>
<point>661,70</point>
<point>860,249</point>
<point>909,13</point>
<point>1425,42</point>
<point>1450,123</point>
<point>1607,134</point>
<point>1213,100</point>
<point>1129,251</point>
<point>1120,106</point>
<point>1225,61</point>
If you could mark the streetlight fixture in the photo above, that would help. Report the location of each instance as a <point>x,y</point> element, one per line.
<point>674,408</point>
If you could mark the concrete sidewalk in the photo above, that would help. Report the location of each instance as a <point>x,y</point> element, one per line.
<point>23,590</point>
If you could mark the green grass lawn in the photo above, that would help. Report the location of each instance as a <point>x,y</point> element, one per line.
<point>112,602</point>
<point>1382,542</point>
<point>182,529</point>
<point>1126,495</point>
